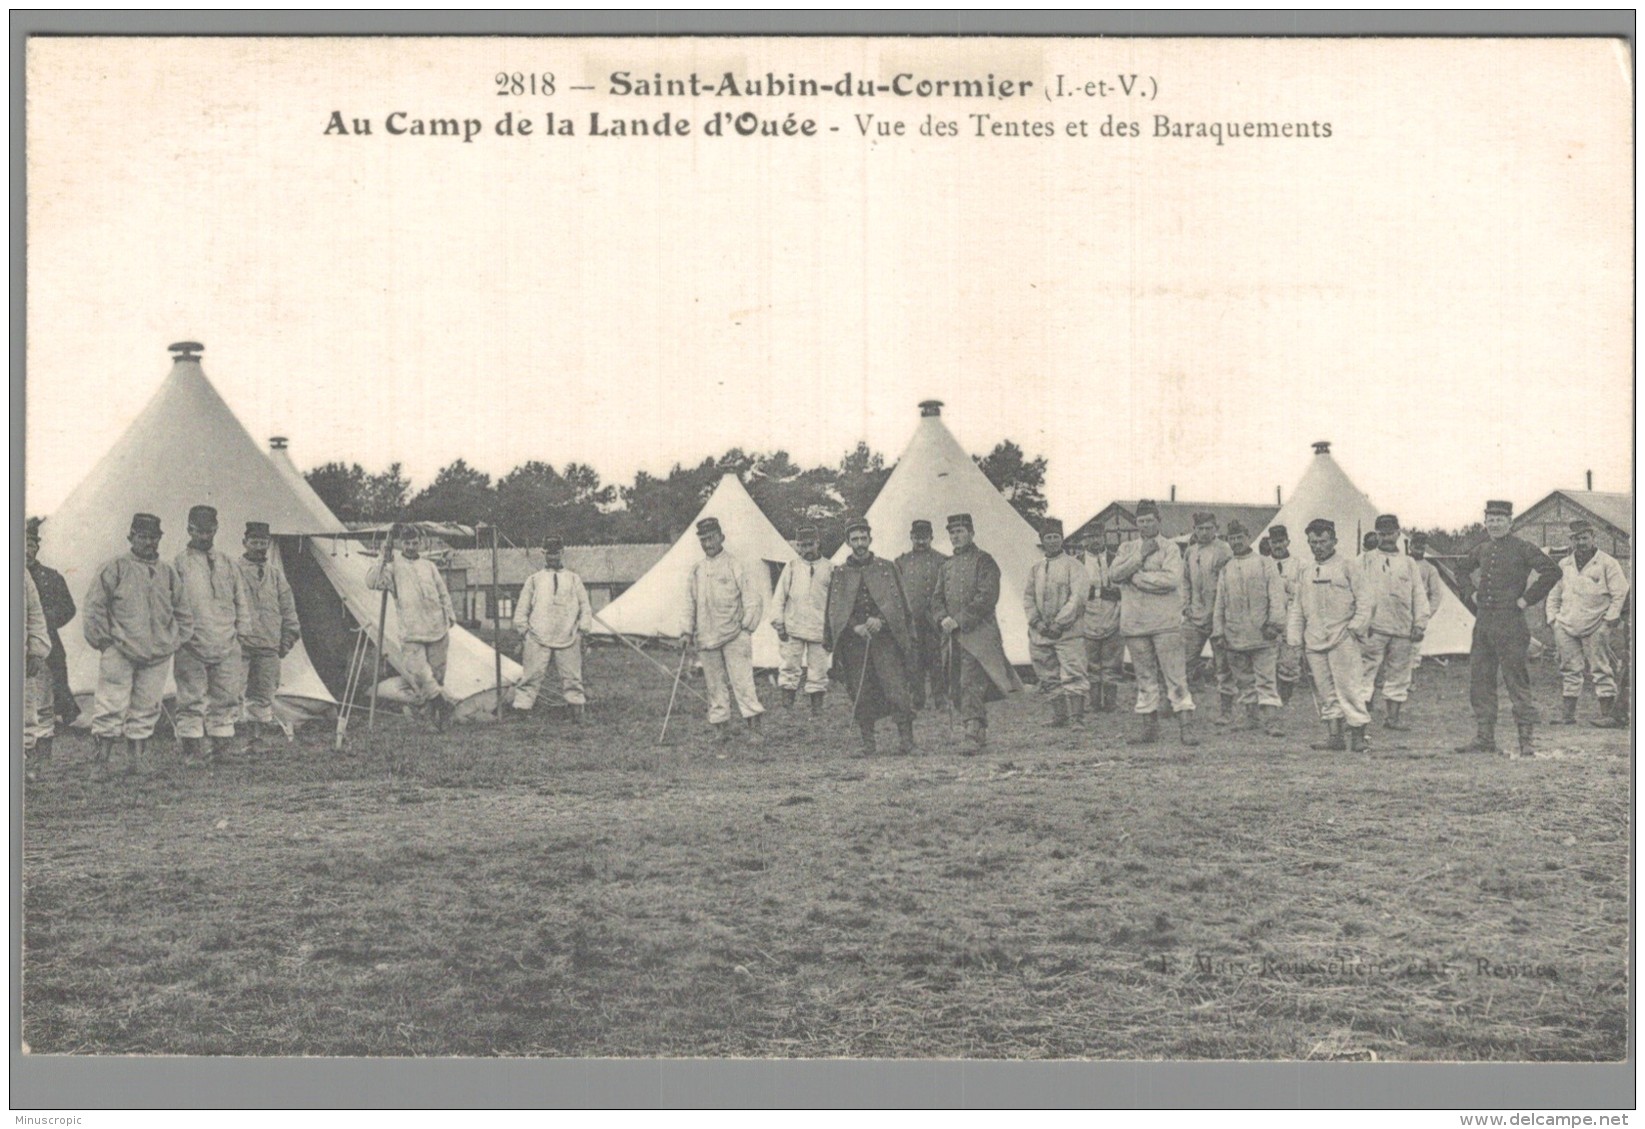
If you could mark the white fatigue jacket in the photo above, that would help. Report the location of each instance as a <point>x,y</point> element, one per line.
<point>211,585</point>
<point>801,602</point>
<point>1150,589</point>
<point>1331,601</point>
<point>36,640</point>
<point>1432,583</point>
<point>1054,595</point>
<point>1587,596</point>
<point>1399,598</point>
<point>138,607</point>
<point>723,600</point>
<point>553,608</point>
<point>1201,565</point>
<point>268,620</point>
<point>1250,596</point>
<point>1102,617</point>
<point>420,596</point>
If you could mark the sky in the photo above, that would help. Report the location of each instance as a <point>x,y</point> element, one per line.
<point>1443,288</point>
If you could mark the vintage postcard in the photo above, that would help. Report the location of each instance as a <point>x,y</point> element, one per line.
<point>846,548</point>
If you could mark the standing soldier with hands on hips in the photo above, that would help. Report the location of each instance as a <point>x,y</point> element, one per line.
<point>1501,638</point>
<point>1584,609</point>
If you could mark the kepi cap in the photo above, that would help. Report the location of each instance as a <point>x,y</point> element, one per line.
<point>1237,526</point>
<point>203,517</point>
<point>145,523</point>
<point>920,528</point>
<point>1387,523</point>
<point>1278,532</point>
<point>1051,525</point>
<point>1506,509</point>
<point>553,544</point>
<point>1203,516</point>
<point>806,533</point>
<point>708,525</point>
<point>257,529</point>
<point>1582,525</point>
<point>1147,506</point>
<point>858,523</point>
<point>960,521</point>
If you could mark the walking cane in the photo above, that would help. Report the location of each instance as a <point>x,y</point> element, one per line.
<point>868,646</point>
<point>662,738</point>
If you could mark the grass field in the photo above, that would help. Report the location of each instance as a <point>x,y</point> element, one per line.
<point>535,889</point>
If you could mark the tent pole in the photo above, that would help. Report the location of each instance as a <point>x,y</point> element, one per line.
<point>377,660</point>
<point>496,625</point>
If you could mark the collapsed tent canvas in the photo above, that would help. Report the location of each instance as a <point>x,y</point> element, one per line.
<point>935,478</point>
<point>655,607</point>
<point>1326,491</point>
<point>471,673</point>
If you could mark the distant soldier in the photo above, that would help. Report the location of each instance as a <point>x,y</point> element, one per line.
<point>723,607</point>
<point>208,665</point>
<point>1148,571</point>
<point>1369,543</point>
<point>919,568</point>
<point>801,607</point>
<point>1399,616</point>
<point>1203,562</point>
<point>1053,601</point>
<point>1501,638</point>
<point>1584,609</point>
<point>1329,616</point>
<point>964,607</point>
<point>1249,618</point>
<point>136,615</point>
<point>268,629</point>
<point>1433,584</point>
<point>58,604</point>
<point>871,632</point>
<point>1100,625</point>
<point>1288,658</point>
<point>553,613</point>
<point>37,720</point>
<point>426,617</point>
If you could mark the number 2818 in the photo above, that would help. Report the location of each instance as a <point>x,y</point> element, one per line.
<point>516,82</point>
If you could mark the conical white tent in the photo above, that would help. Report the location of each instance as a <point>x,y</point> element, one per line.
<point>471,672</point>
<point>935,478</point>
<point>1326,491</point>
<point>655,606</point>
<point>185,448</point>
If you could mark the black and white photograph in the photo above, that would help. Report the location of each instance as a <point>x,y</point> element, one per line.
<point>1017,549</point>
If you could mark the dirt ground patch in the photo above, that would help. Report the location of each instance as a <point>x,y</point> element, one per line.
<point>539,889</point>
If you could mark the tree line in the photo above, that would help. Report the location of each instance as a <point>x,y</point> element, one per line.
<point>536,499</point>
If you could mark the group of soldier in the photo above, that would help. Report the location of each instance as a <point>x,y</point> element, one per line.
<point>894,635</point>
<point>216,626</point>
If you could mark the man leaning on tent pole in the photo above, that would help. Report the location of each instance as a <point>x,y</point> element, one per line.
<point>426,617</point>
